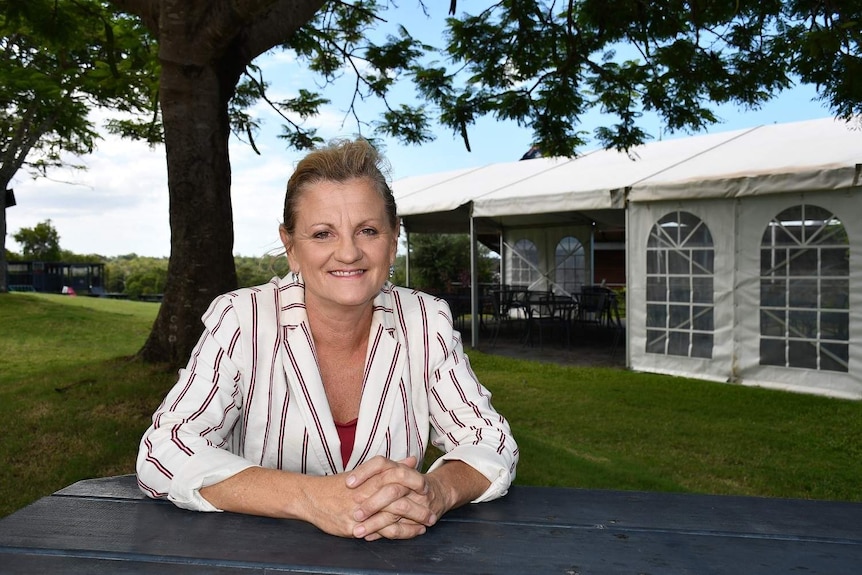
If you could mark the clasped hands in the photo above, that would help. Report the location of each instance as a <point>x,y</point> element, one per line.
<point>384,499</point>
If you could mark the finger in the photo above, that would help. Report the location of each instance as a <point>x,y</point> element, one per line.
<point>375,466</point>
<point>403,510</point>
<point>382,498</point>
<point>399,528</point>
<point>368,469</point>
<point>402,488</point>
<point>402,530</point>
<point>410,461</point>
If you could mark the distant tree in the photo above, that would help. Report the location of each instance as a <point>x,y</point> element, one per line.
<point>252,271</point>
<point>58,60</point>
<point>147,277</point>
<point>73,258</point>
<point>41,242</point>
<point>440,262</point>
<point>136,275</point>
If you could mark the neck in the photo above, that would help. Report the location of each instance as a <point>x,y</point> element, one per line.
<point>342,330</point>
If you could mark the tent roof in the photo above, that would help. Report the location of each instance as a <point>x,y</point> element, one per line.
<point>448,190</point>
<point>823,154</point>
<point>816,154</point>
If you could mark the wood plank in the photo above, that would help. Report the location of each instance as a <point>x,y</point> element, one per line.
<point>536,531</point>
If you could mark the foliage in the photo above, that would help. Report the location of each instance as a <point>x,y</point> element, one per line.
<point>65,366</point>
<point>136,275</point>
<point>255,271</point>
<point>59,60</point>
<point>539,63</point>
<point>440,261</point>
<point>41,242</point>
<point>546,64</point>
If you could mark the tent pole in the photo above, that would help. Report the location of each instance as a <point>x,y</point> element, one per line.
<point>502,261</point>
<point>629,248</point>
<point>474,285</point>
<point>407,258</point>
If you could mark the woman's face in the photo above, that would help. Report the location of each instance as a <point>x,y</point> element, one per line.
<point>342,243</point>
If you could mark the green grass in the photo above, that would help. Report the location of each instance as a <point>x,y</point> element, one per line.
<point>608,428</point>
<point>76,403</point>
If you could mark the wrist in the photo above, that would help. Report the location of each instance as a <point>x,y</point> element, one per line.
<point>459,483</point>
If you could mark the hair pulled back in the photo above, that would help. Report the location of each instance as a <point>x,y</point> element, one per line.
<point>339,161</point>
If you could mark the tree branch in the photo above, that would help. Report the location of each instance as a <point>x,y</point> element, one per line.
<point>278,24</point>
<point>146,10</point>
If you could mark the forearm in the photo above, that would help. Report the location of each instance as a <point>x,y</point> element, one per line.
<point>459,484</point>
<point>266,492</point>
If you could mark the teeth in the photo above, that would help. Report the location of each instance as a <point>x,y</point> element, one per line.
<point>346,274</point>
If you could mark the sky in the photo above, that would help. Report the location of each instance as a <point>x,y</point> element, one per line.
<point>119,204</point>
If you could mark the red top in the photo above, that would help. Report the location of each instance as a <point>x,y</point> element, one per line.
<point>347,435</point>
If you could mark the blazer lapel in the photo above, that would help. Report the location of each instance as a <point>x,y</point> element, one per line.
<point>384,364</point>
<point>305,385</point>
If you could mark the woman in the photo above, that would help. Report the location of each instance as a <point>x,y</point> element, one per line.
<point>313,396</point>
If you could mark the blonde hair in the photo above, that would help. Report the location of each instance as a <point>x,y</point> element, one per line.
<point>339,161</point>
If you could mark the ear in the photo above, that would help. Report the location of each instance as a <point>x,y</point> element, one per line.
<point>287,242</point>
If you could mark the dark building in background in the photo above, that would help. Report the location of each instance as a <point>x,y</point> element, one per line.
<point>52,277</point>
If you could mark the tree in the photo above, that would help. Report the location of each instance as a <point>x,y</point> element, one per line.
<point>255,271</point>
<point>438,262</point>
<point>205,49</point>
<point>41,242</point>
<point>545,64</point>
<point>542,64</point>
<point>59,59</point>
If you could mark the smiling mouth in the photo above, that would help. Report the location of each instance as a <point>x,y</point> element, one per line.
<point>347,274</point>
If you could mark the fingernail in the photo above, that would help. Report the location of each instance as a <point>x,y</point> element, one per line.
<point>351,480</point>
<point>358,515</point>
<point>359,531</point>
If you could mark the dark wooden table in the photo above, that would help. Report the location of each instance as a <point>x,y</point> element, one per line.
<point>107,526</point>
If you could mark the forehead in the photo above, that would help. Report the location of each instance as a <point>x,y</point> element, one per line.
<point>355,197</point>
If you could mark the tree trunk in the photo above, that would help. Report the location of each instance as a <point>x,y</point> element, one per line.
<point>3,263</point>
<point>203,48</point>
<point>194,107</point>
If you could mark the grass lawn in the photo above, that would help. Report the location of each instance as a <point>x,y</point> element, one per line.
<point>77,403</point>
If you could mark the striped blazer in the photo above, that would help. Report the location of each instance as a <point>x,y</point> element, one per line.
<point>252,395</point>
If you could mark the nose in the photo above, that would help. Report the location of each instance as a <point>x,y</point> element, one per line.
<point>348,251</point>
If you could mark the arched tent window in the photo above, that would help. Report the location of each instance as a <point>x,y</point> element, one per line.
<point>570,265</point>
<point>804,290</point>
<point>525,263</point>
<point>679,298</point>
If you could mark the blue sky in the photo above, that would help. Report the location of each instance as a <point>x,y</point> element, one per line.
<point>120,204</point>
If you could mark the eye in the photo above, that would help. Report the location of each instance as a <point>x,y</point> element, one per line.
<point>322,235</point>
<point>368,232</point>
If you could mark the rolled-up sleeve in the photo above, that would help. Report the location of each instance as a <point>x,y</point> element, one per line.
<point>185,447</point>
<point>464,424</point>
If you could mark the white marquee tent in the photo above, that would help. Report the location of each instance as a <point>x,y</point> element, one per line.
<point>743,247</point>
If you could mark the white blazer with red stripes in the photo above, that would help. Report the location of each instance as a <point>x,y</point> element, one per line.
<point>252,395</point>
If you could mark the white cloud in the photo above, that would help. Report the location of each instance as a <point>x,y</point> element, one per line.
<point>118,205</point>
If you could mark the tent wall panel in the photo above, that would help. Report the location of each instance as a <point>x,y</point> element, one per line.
<point>737,228</point>
<point>546,240</point>
<point>719,219</point>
